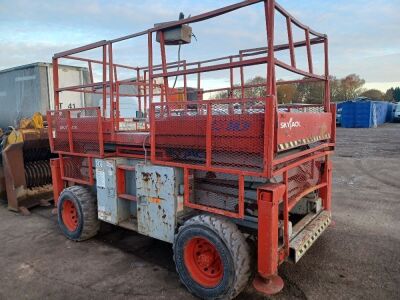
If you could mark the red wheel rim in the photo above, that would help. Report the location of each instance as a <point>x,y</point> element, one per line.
<point>203,262</point>
<point>69,215</point>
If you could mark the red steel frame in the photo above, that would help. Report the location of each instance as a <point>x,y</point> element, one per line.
<point>151,95</point>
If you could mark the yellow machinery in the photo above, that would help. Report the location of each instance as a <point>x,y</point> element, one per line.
<point>25,177</point>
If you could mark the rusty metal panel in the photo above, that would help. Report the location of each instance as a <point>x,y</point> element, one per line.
<point>157,194</point>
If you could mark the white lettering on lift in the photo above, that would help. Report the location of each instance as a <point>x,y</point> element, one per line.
<point>65,127</point>
<point>290,124</point>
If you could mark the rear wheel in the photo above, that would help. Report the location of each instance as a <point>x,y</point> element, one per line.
<point>77,213</point>
<point>212,257</point>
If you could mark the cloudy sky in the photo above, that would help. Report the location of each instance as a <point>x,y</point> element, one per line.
<point>364,35</point>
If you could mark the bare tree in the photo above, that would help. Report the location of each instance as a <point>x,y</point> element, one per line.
<point>373,94</point>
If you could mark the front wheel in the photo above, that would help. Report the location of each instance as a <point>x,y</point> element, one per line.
<point>212,257</point>
<point>77,213</point>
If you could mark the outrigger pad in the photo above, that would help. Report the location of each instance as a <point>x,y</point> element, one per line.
<point>268,286</point>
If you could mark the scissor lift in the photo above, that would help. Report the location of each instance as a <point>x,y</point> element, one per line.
<point>214,177</point>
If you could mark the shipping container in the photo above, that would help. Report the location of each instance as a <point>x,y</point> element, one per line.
<point>364,113</point>
<point>27,89</point>
<point>390,112</point>
<point>396,112</point>
<point>339,107</point>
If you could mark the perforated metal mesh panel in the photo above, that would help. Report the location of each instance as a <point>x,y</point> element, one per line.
<point>85,131</point>
<point>75,167</point>
<point>304,177</point>
<point>59,135</point>
<point>301,108</point>
<point>237,135</point>
<point>180,131</point>
<point>79,128</point>
<point>233,131</point>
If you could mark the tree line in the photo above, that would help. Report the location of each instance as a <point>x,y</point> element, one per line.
<point>346,88</point>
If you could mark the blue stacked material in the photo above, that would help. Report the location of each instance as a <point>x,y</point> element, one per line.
<point>364,113</point>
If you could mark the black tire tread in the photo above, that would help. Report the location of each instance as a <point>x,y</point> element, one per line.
<point>237,244</point>
<point>88,202</point>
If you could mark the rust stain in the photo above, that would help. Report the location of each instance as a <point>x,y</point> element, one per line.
<point>146,176</point>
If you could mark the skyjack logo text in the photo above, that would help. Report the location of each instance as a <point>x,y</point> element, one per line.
<point>290,124</point>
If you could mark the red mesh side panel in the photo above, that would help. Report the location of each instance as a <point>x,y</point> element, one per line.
<point>76,167</point>
<point>304,177</point>
<point>234,131</point>
<point>85,131</point>
<point>237,135</point>
<point>58,123</point>
<point>181,132</point>
<point>215,190</point>
<point>83,127</point>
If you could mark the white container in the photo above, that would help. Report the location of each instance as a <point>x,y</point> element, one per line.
<point>27,89</point>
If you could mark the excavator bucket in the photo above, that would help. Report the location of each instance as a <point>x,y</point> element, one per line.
<point>25,165</point>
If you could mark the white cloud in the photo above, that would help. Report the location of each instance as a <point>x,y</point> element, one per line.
<point>382,86</point>
<point>362,33</point>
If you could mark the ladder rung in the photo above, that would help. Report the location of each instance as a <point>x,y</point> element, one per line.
<point>127,197</point>
<point>126,167</point>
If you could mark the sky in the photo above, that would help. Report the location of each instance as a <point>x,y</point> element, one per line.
<point>363,35</point>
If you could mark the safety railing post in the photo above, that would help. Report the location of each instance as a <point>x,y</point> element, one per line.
<point>208,135</point>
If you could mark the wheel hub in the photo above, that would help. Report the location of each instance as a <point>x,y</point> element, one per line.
<point>205,259</point>
<point>69,215</point>
<point>203,262</point>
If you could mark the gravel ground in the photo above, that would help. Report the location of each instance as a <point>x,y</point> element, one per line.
<point>358,257</point>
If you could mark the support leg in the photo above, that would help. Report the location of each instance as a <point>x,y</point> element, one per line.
<point>268,281</point>
<point>58,182</point>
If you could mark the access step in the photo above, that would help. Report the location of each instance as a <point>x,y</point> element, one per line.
<point>301,242</point>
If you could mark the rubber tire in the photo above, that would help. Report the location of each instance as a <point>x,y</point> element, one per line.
<point>234,252</point>
<point>86,205</point>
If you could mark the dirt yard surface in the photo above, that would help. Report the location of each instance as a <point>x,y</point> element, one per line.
<point>358,257</point>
